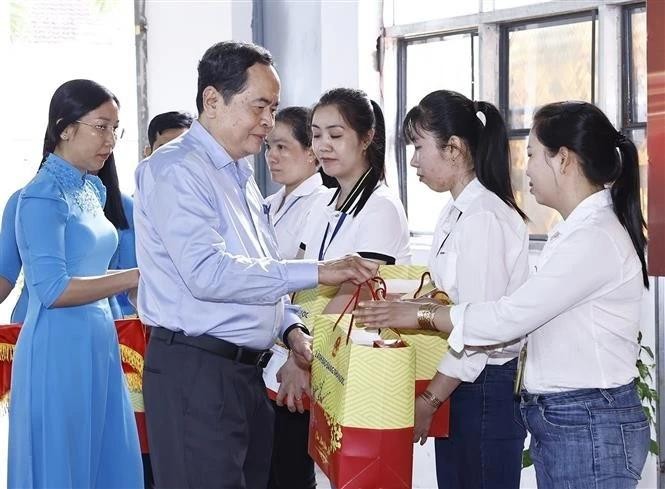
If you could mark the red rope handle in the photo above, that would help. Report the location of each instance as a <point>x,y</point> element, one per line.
<point>381,291</point>
<point>355,298</point>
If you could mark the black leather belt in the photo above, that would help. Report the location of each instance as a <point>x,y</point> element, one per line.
<point>216,346</point>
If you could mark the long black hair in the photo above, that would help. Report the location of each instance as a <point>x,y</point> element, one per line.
<point>70,102</point>
<point>297,118</point>
<point>445,113</point>
<point>362,115</point>
<point>606,156</point>
<point>113,209</point>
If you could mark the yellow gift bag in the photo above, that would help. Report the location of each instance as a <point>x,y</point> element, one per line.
<point>408,282</point>
<point>313,302</point>
<point>327,299</point>
<point>361,421</point>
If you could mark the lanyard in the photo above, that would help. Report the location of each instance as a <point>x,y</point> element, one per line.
<point>323,249</point>
<point>353,195</point>
<point>286,211</point>
<point>448,235</point>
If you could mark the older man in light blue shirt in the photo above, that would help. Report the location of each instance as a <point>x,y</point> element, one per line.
<point>207,248</point>
<point>213,286</point>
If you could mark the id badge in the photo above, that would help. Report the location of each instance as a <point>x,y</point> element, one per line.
<point>519,375</point>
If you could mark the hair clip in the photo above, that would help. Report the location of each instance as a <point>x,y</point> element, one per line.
<point>481,117</point>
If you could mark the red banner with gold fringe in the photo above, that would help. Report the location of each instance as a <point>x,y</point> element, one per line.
<point>132,339</point>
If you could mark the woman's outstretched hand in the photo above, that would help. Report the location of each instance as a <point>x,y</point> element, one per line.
<point>387,314</point>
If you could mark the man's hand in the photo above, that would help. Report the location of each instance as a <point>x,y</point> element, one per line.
<point>351,267</point>
<point>294,383</point>
<point>301,347</point>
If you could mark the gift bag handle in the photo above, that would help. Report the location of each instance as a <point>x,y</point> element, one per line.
<point>355,298</point>
<point>381,291</point>
<point>423,277</point>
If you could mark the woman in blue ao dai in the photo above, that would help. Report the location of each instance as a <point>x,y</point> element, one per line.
<point>71,421</point>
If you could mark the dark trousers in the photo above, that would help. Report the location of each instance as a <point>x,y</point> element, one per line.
<point>292,467</point>
<point>148,479</point>
<point>210,423</point>
<point>484,450</point>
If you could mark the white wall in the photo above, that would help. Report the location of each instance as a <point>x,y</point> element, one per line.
<point>293,37</point>
<point>178,35</point>
<point>319,45</point>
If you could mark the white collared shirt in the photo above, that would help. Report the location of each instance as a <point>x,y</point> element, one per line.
<point>378,231</point>
<point>480,252</point>
<point>580,310</point>
<point>289,216</point>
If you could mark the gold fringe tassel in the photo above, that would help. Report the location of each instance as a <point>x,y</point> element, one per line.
<point>4,403</point>
<point>6,352</point>
<point>132,357</point>
<point>134,382</point>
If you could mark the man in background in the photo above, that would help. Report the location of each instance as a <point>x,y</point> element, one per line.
<point>165,127</point>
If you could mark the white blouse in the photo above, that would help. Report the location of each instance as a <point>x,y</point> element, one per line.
<point>289,216</point>
<point>379,230</point>
<point>480,252</point>
<point>580,310</point>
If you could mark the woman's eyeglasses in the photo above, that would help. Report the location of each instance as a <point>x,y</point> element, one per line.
<point>103,129</point>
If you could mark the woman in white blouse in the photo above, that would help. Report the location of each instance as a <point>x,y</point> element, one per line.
<point>359,216</point>
<point>580,310</point>
<point>479,253</point>
<point>362,215</point>
<point>292,163</point>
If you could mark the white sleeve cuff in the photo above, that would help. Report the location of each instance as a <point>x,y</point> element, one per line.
<point>462,366</point>
<point>456,338</point>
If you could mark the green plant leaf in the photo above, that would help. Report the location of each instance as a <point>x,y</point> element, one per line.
<point>653,448</point>
<point>648,350</point>
<point>526,459</point>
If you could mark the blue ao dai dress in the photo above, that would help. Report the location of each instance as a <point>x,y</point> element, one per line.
<point>71,423</point>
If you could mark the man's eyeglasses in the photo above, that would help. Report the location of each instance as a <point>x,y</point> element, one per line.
<point>103,129</point>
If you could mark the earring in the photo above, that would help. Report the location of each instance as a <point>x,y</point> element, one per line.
<point>63,137</point>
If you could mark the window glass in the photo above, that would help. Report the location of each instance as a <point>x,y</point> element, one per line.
<point>639,137</point>
<point>638,75</point>
<point>541,68</point>
<point>635,101</point>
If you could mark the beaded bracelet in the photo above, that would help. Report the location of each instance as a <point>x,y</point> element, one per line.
<point>431,399</point>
